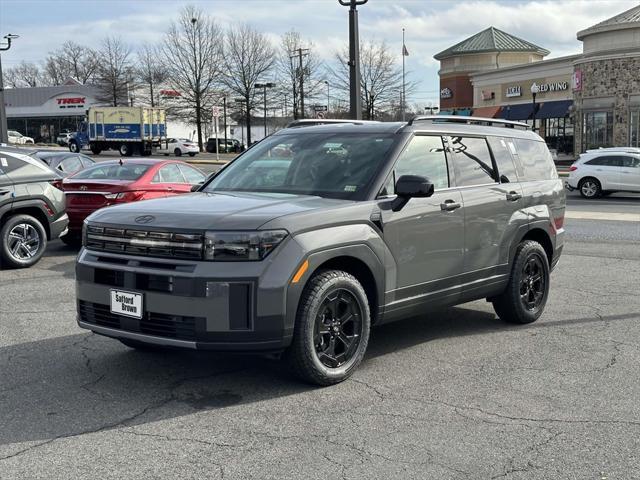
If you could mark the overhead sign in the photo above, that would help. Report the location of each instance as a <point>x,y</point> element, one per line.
<point>514,91</point>
<point>486,95</point>
<point>552,87</point>
<point>215,110</point>
<point>70,100</point>
<point>576,81</point>
<point>446,92</point>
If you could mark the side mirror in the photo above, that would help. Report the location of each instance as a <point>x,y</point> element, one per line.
<point>411,186</point>
<point>196,187</point>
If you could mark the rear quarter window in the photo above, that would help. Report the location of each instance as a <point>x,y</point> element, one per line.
<point>535,159</point>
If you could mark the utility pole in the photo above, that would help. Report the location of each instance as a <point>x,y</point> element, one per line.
<point>299,53</point>
<point>4,136</point>
<point>224,122</point>
<point>354,58</point>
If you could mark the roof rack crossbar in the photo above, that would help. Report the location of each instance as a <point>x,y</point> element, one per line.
<point>492,122</point>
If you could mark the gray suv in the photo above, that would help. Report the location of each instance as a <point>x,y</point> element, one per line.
<point>32,208</point>
<point>313,236</point>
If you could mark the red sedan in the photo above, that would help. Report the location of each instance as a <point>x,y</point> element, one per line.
<point>114,182</point>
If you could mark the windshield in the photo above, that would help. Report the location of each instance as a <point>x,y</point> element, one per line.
<point>128,171</point>
<point>335,165</point>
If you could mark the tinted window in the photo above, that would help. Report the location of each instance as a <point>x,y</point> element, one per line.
<point>86,161</point>
<point>504,160</point>
<point>472,161</point>
<point>535,159</point>
<point>630,162</point>
<point>191,174</point>
<point>169,174</point>
<point>127,171</point>
<point>424,156</point>
<point>606,161</point>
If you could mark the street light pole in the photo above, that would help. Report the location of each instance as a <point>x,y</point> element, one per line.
<point>4,136</point>
<point>328,97</point>
<point>264,87</point>
<point>224,122</point>
<point>354,58</point>
<point>534,90</point>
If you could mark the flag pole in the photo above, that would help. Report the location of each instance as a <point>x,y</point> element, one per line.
<point>403,103</point>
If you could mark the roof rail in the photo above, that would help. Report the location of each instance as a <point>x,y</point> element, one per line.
<point>491,122</point>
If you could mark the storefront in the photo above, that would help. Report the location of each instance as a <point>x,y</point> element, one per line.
<point>43,112</point>
<point>509,93</point>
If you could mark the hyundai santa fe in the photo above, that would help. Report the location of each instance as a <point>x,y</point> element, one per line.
<point>304,242</point>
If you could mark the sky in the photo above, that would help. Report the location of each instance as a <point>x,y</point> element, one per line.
<point>431,25</point>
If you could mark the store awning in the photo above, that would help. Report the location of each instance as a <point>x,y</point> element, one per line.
<point>521,111</point>
<point>557,109</point>
<point>486,112</point>
<point>445,112</point>
<point>465,112</point>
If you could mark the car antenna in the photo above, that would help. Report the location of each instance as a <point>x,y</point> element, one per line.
<point>120,161</point>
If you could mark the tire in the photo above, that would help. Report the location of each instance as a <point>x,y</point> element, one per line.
<point>95,150</point>
<point>529,263</point>
<point>328,296</point>
<point>23,241</point>
<point>177,152</point>
<point>142,346</point>
<point>73,147</point>
<point>192,154</point>
<point>72,240</point>
<point>125,150</point>
<point>589,187</point>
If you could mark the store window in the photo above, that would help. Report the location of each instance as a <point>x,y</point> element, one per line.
<point>634,125</point>
<point>597,130</point>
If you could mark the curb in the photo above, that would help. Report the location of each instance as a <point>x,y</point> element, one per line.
<point>208,162</point>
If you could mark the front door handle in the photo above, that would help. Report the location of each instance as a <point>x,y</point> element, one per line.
<point>513,196</point>
<point>449,206</point>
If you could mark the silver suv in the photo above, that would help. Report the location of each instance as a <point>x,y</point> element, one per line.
<point>309,239</point>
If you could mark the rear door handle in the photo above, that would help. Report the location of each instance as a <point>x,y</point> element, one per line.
<point>513,196</point>
<point>449,206</point>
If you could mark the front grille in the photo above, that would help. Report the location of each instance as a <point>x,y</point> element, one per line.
<point>158,324</point>
<point>150,243</point>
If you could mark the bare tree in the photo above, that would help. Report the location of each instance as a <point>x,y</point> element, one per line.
<point>381,77</point>
<point>71,60</point>
<point>249,58</point>
<point>25,74</point>
<point>193,56</point>
<point>115,73</point>
<point>288,69</point>
<point>151,73</point>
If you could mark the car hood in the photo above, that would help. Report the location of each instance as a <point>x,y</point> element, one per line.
<point>212,211</point>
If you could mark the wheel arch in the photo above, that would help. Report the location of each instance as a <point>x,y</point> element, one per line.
<point>542,237</point>
<point>28,209</point>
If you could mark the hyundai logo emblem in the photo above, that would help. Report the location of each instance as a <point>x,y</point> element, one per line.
<point>83,187</point>
<point>145,219</point>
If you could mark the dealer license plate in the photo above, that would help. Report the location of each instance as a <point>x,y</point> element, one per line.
<point>126,303</point>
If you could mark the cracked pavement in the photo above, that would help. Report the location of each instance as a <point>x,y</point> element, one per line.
<point>454,395</point>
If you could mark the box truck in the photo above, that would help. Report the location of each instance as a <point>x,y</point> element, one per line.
<point>127,129</point>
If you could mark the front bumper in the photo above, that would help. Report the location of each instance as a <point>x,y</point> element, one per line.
<point>186,304</point>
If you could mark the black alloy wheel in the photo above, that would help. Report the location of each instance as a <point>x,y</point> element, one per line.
<point>532,283</point>
<point>338,328</point>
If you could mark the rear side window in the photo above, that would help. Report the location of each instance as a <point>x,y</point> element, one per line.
<point>129,171</point>
<point>472,162</point>
<point>424,156</point>
<point>606,161</point>
<point>23,168</point>
<point>504,160</point>
<point>630,162</point>
<point>535,158</point>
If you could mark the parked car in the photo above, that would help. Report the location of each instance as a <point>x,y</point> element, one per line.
<point>302,254</point>
<point>32,209</point>
<point>66,163</point>
<point>605,171</point>
<point>117,182</point>
<point>17,138</point>
<point>179,146</point>
<point>63,137</point>
<point>231,146</point>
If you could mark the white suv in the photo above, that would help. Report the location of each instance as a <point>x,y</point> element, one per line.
<point>605,171</point>
<point>17,138</point>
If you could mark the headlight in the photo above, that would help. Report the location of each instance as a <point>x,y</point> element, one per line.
<point>238,246</point>
<point>84,233</point>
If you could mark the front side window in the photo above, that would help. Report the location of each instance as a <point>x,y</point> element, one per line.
<point>424,156</point>
<point>472,161</point>
<point>334,165</point>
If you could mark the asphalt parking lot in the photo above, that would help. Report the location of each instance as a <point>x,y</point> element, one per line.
<point>456,394</point>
